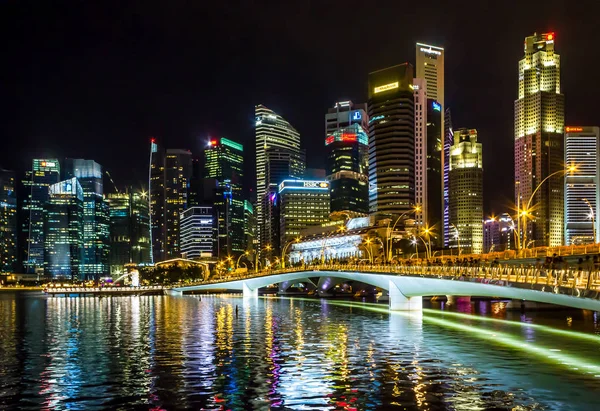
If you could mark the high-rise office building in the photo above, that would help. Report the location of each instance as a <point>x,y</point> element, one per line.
<point>434,166</point>
<point>96,223</point>
<point>197,232</point>
<point>63,231</point>
<point>129,230</point>
<point>448,142</point>
<point>581,188</point>
<point>273,132</point>
<point>391,140</point>
<point>43,173</point>
<point>497,232</point>
<point>421,191</point>
<point>224,162</point>
<point>170,174</point>
<point>249,226</point>
<point>466,192</point>
<point>8,222</point>
<point>539,145</point>
<point>347,168</point>
<point>302,203</point>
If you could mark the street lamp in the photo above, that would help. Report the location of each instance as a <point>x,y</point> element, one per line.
<point>416,244</point>
<point>526,210</point>
<point>257,254</point>
<point>457,236</point>
<point>237,264</point>
<point>428,231</point>
<point>585,200</point>
<point>389,238</point>
<point>368,251</point>
<point>296,240</point>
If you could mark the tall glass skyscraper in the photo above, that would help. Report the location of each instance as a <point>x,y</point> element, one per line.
<point>391,140</point>
<point>448,142</point>
<point>466,192</point>
<point>539,145</point>
<point>581,188</point>
<point>346,167</point>
<point>273,132</point>
<point>96,227</point>
<point>434,165</point>
<point>63,230</point>
<point>43,173</point>
<point>8,222</point>
<point>421,191</point>
<point>197,237</point>
<point>224,162</point>
<point>430,66</point>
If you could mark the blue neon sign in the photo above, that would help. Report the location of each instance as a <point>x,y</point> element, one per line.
<point>356,116</point>
<point>437,106</point>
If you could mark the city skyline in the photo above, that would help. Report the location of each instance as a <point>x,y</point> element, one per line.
<point>189,121</point>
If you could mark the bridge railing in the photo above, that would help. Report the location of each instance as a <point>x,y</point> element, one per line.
<point>588,279</point>
<point>61,290</point>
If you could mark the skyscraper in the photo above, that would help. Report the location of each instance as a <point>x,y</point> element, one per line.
<point>466,192</point>
<point>273,132</point>
<point>63,230</point>
<point>497,233</point>
<point>391,140</point>
<point>197,232</point>
<point>448,142</point>
<point>581,188</point>
<point>539,145</point>
<point>96,227</point>
<point>8,222</point>
<point>434,165</point>
<point>129,229</point>
<point>347,170</point>
<point>249,226</point>
<point>421,191</point>
<point>224,162</point>
<point>43,173</point>
<point>170,173</point>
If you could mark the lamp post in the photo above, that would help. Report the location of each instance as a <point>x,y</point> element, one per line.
<point>525,211</point>
<point>237,264</point>
<point>296,240</point>
<point>257,254</point>
<point>427,231</point>
<point>368,252</point>
<point>416,244</point>
<point>457,235</point>
<point>585,200</point>
<point>389,238</point>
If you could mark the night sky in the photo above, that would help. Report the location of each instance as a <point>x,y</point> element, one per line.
<point>96,79</point>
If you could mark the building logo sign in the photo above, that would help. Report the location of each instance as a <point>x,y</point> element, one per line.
<point>315,184</point>
<point>386,87</point>
<point>573,129</point>
<point>437,106</point>
<point>48,164</point>
<point>431,51</point>
<point>356,116</point>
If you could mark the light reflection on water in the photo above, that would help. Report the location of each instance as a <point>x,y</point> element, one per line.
<point>223,352</point>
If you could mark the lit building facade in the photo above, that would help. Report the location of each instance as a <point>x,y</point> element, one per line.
<point>197,232</point>
<point>8,222</point>
<point>581,188</point>
<point>96,221</point>
<point>170,174</point>
<point>347,147</point>
<point>391,140</point>
<point>63,231</point>
<point>273,132</point>
<point>302,203</point>
<point>421,191</point>
<point>539,140</point>
<point>434,165</point>
<point>448,142</point>
<point>466,192</point>
<point>224,162</point>
<point>249,226</point>
<point>129,230</point>
<point>498,233</point>
<point>43,174</point>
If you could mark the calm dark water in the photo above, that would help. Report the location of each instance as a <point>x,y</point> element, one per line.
<point>190,353</point>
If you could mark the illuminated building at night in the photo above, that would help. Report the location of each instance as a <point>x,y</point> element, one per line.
<point>448,142</point>
<point>129,230</point>
<point>197,232</point>
<point>302,203</point>
<point>63,230</point>
<point>8,222</point>
<point>347,148</point>
<point>273,132</point>
<point>43,174</point>
<point>434,165</point>
<point>420,95</point>
<point>539,145</point>
<point>465,182</point>
<point>391,140</point>
<point>249,226</point>
<point>224,162</point>
<point>581,187</point>
<point>96,227</point>
<point>498,233</point>
<point>170,174</point>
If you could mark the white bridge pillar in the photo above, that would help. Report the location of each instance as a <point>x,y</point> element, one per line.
<point>248,292</point>
<point>399,302</point>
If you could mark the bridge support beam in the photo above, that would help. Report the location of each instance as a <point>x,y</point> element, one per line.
<point>248,292</point>
<point>172,292</point>
<point>400,302</point>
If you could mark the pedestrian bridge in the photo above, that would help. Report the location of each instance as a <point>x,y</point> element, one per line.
<point>408,284</point>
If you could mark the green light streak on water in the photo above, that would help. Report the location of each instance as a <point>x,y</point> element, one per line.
<point>550,355</point>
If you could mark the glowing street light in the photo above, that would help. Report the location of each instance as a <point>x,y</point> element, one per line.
<point>295,240</point>
<point>389,238</point>
<point>591,216</point>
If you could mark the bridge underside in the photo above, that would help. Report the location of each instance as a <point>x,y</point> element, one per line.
<point>405,291</point>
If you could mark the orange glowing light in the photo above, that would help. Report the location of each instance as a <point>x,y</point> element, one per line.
<point>573,129</point>
<point>551,36</point>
